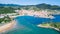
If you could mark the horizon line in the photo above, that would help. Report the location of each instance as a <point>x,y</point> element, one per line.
<point>28,4</point>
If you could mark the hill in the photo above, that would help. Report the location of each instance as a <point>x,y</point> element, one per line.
<point>9,8</point>
<point>39,6</point>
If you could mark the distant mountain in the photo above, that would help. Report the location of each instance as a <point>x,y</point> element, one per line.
<point>47,6</point>
<point>9,5</point>
<point>38,6</point>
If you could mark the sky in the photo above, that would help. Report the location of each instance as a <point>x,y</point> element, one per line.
<point>30,2</point>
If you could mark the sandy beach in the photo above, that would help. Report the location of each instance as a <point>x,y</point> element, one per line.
<point>23,12</point>
<point>7,26</point>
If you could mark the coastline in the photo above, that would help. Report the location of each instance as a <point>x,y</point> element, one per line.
<point>43,14</point>
<point>40,25</point>
<point>37,14</point>
<point>7,26</point>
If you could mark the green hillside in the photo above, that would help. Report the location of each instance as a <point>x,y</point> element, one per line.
<point>9,8</point>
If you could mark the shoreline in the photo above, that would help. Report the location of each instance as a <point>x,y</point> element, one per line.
<point>7,26</point>
<point>42,14</point>
<point>48,27</point>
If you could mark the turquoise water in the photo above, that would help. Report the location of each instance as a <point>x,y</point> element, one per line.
<point>27,25</point>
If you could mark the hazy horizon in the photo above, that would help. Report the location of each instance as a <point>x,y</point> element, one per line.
<point>30,2</point>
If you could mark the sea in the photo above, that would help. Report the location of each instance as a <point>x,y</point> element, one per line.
<point>28,25</point>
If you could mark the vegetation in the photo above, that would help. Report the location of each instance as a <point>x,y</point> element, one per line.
<point>46,24</point>
<point>56,25</point>
<point>42,6</point>
<point>9,8</point>
<point>5,19</point>
<point>4,10</point>
<point>1,19</point>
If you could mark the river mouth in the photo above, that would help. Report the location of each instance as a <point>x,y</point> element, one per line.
<point>27,25</point>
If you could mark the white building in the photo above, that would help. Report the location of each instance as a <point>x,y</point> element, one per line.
<point>1,16</point>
